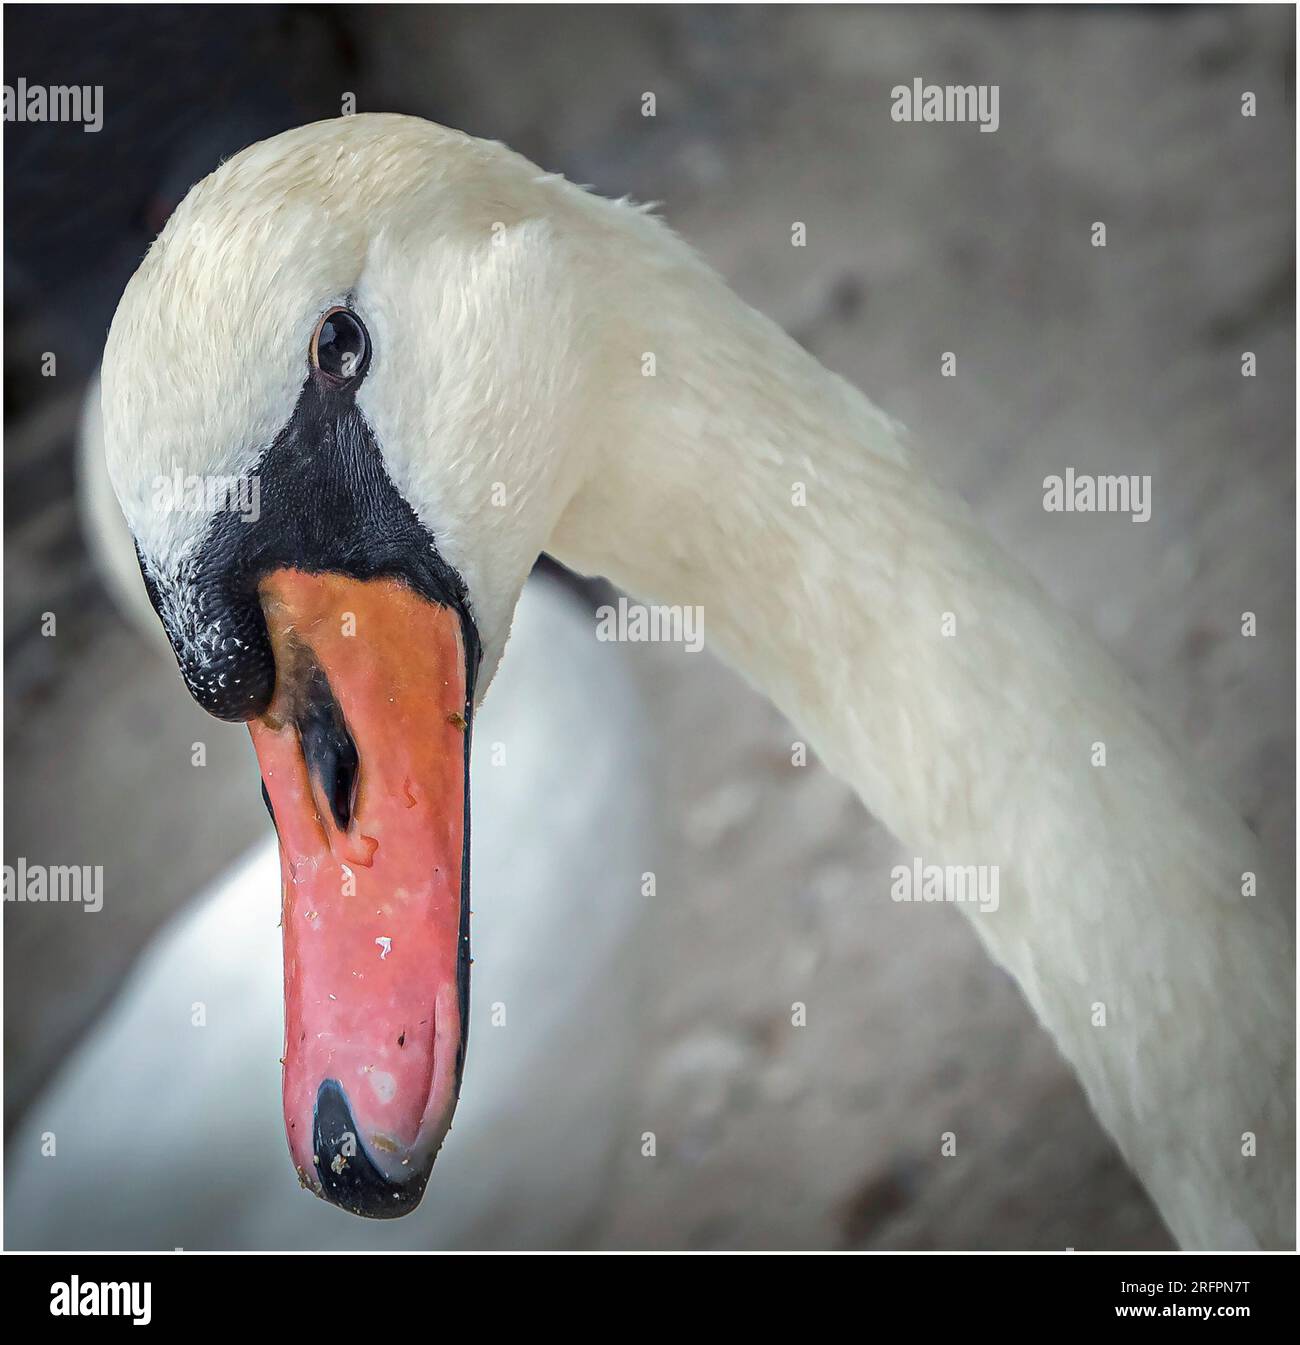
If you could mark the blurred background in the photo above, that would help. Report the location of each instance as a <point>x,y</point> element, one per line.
<point>921,239</point>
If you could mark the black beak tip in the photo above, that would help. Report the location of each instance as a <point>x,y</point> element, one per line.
<point>344,1170</point>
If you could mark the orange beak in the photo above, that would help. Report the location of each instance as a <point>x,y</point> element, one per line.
<point>364,752</point>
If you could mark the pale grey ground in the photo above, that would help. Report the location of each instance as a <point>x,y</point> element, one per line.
<point>920,240</point>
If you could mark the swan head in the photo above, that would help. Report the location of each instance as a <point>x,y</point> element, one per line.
<point>346,397</point>
<point>479,283</point>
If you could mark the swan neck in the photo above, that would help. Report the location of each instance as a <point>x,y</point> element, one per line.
<point>982,726</point>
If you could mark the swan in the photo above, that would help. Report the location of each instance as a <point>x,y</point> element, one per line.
<point>436,361</point>
<point>198,1163</point>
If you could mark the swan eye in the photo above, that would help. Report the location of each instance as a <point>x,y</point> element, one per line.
<point>340,346</point>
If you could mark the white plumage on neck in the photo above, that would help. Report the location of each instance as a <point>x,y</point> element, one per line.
<point>1120,884</point>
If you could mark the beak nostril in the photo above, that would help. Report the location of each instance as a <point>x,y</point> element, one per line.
<point>327,747</point>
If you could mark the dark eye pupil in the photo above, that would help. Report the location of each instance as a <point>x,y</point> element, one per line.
<point>341,346</point>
